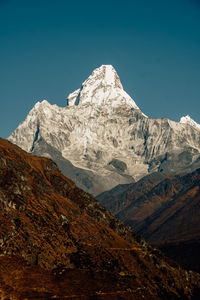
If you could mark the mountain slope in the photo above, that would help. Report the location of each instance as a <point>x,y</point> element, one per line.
<point>103,131</point>
<point>58,242</point>
<point>164,210</point>
<point>123,197</point>
<point>178,218</point>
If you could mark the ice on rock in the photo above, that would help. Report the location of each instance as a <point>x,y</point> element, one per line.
<point>188,120</point>
<point>103,87</point>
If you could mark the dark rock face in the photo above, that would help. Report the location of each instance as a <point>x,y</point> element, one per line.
<point>118,165</point>
<point>57,241</point>
<point>164,210</point>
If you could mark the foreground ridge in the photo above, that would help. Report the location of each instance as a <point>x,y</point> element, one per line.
<point>58,241</point>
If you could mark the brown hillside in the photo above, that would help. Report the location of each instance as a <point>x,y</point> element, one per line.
<point>57,242</point>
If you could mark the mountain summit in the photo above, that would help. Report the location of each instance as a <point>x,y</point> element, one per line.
<point>188,120</point>
<point>101,138</point>
<point>102,87</point>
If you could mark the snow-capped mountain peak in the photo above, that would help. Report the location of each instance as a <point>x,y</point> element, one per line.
<point>102,138</point>
<point>102,87</point>
<point>188,120</point>
<point>105,75</point>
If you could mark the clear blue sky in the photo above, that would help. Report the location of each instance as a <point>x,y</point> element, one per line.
<point>48,47</point>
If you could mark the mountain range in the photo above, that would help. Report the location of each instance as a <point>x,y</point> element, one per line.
<point>101,138</point>
<point>57,241</point>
